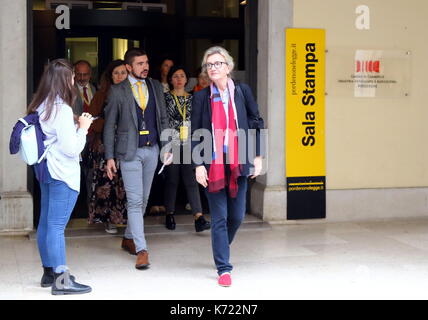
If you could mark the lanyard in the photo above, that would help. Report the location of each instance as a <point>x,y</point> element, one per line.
<point>181,109</point>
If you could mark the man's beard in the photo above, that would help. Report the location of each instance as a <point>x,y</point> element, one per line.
<point>83,84</point>
<point>137,76</point>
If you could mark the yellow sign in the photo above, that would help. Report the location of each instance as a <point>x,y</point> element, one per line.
<point>304,123</point>
<point>305,106</point>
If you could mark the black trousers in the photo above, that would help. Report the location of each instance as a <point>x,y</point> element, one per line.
<point>173,173</point>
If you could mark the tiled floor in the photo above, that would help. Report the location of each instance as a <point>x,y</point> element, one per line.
<point>366,260</point>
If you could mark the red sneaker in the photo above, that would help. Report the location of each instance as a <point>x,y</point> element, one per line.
<point>225,280</point>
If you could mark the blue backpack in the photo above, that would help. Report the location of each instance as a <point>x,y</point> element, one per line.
<point>27,139</point>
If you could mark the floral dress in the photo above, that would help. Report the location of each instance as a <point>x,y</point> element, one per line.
<point>108,197</point>
<point>175,118</point>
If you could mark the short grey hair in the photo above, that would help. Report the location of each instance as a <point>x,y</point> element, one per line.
<point>222,51</point>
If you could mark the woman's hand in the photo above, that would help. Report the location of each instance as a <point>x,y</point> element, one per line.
<point>85,120</point>
<point>257,167</point>
<point>201,176</point>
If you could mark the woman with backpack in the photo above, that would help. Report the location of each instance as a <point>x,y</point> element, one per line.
<point>59,190</point>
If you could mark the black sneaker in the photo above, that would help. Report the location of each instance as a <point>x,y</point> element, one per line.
<point>64,285</point>
<point>48,277</point>
<point>201,224</point>
<point>170,222</point>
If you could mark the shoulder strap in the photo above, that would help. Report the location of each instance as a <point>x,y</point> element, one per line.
<point>23,121</point>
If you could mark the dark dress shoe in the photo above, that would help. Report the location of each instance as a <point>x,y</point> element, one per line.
<point>48,277</point>
<point>64,285</point>
<point>170,222</point>
<point>129,245</point>
<point>201,224</point>
<point>142,260</point>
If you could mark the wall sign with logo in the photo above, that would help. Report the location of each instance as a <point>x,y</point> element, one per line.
<point>368,73</point>
<point>304,123</point>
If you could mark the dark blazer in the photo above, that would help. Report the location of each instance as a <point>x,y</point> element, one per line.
<point>78,104</point>
<point>121,123</point>
<point>248,118</point>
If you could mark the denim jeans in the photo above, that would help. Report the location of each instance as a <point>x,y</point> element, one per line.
<point>227,215</point>
<point>57,203</point>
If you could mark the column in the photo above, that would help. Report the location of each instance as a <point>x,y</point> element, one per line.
<point>16,204</point>
<point>269,196</point>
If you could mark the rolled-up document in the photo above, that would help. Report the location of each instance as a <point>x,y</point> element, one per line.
<point>163,166</point>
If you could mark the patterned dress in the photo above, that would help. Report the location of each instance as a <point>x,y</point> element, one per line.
<point>175,118</point>
<point>107,197</point>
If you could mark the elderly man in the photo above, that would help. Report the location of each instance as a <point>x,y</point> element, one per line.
<point>83,74</point>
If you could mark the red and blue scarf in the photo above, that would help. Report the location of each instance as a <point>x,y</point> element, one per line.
<point>225,143</point>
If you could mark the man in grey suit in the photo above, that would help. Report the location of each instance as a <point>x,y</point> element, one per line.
<point>135,116</point>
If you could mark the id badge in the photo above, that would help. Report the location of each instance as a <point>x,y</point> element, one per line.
<point>184,133</point>
<point>143,129</point>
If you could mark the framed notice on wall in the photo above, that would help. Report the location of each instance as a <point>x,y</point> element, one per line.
<point>304,123</point>
<point>369,73</point>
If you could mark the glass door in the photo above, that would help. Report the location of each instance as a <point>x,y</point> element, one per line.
<point>120,46</point>
<point>83,49</point>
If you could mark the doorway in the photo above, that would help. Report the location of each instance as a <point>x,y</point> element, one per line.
<point>102,33</point>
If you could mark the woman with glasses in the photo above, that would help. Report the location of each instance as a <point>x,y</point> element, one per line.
<point>222,109</point>
<point>178,109</point>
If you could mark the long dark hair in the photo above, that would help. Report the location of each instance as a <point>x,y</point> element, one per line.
<point>107,76</point>
<point>56,82</point>
<point>171,72</point>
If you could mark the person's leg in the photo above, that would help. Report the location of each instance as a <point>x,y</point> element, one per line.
<point>192,189</point>
<point>171,184</point>
<point>156,199</point>
<point>132,172</point>
<point>62,200</point>
<point>217,203</point>
<point>237,208</point>
<point>150,161</point>
<point>42,228</point>
<point>170,195</point>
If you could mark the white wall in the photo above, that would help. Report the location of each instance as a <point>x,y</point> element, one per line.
<point>375,142</point>
<point>376,149</point>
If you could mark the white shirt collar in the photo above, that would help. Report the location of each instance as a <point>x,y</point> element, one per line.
<point>134,81</point>
<point>81,87</point>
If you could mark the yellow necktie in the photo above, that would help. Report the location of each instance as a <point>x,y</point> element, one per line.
<point>141,96</point>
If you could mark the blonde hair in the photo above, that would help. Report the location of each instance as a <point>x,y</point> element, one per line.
<point>218,50</point>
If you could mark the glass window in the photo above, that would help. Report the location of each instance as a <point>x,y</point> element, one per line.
<point>107,5</point>
<point>39,5</point>
<point>83,49</point>
<point>120,46</point>
<point>213,8</point>
<point>196,48</point>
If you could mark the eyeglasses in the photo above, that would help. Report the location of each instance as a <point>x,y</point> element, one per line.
<point>217,65</point>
